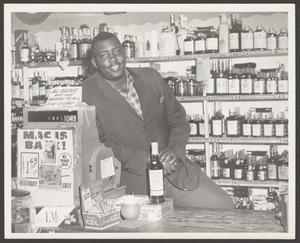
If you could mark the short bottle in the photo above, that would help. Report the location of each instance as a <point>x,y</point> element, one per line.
<point>200,43</point>
<point>271,85</point>
<point>282,84</point>
<point>233,81</point>
<point>258,85</point>
<point>281,126</point>
<point>261,173</point>
<point>250,173</point>
<point>156,176</point>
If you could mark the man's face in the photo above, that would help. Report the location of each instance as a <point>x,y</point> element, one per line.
<point>110,59</point>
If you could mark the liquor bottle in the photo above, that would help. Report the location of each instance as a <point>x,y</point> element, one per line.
<point>282,84</point>
<point>132,46</point>
<point>247,39</point>
<point>283,39</point>
<point>249,173</point>
<point>49,87</point>
<point>271,39</point>
<point>258,85</point>
<point>268,125</point>
<point>73,45</point>
<point>30,95</point>
<point>238,168</point>
<point>188,44</point>
<point>194,126</point>
<point>15,92</point>
<point>233,81</point>
<point>155,176</point>
<point>79,78</point>
<point>280,125</point>
<point>233,124</point>
<point>35,86</point>
<point>256,126</point>
<point>167,42</point>
<point>201,129</point>
<point>283,167</point>
<point>126,45</point>
<point>199,43</point>
<point>210,85</point>
<point>271,85</point>
<point>221,79</point>
<point>260,38</point>
<point>246,83</point>
<point>226,167</point>
<point>25,50</point>
<point>215,165</point>
<point>191,87</point>
<point>217,124</point>
<point>247,125</point>
<point>261,173</point>
<point>272,164</point>
<point>42,86</point>
<point>181,34</point>
<point>85,43</point>
<point>21,90</point>
<point>223,34</point>
<point>212,41</point>
<point>234,37</point>
<point>181,87</point>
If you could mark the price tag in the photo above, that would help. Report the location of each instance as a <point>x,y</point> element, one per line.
<point>30,165</point>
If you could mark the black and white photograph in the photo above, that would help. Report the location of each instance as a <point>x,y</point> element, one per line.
<point>149,121</point>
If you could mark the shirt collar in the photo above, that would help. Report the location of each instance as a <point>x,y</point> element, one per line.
<point>129,82</point>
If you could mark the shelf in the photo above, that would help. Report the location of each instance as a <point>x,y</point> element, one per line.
<point>224,182</point>
<point>239,140</point>
<point>169,58</point>
<point>253,97</point>
<point>212,56</point>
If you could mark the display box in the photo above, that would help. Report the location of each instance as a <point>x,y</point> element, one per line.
<point>97,221</point>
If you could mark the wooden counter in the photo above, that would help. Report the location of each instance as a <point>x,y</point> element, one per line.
<point>199,220</point>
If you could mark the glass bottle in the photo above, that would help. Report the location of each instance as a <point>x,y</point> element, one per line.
<point>234,39</point>
<point>221,79</point>
<point>132,46</point>
<point>126,45</point>
<point>215,165</point>
<point>258,85</point>
<point>85,43</point>
<point>42,86</point>
<point>271,39</point>
<point>238,169</point>
<point>260,38</point>
<point>247,39</point>
<point>201,129</point>
<point>73,45</point>
<point>233,124</point>
<point>21,90</point>
<point>233,81</point>
<point>181,87</point>
<point>188,44</point>
<point>49,87</point>
<point>199,43</point>
<point>217,124</point>
<point>282,84</point>
<point>272,164</point>
<point>271,85</point>
<point>261,173</point>
<point>212,41</point>
<point>247,125</point>
<point>25,50</point>
<point>283,39</point>
<point>194,126</point>
<point>167,42</point>
<point>35,86</point>
<point>210,85</point>
<point>268,125</point>
<point>226,167</point>
<point>250,173</point>
<point>280,125</point>
<point>246,83</point>
<point>283,167</point>
<point>191,87</point>
<point>15,93</point>
<point>181,34</point>
<point>155,176</point>
<point>223,34</point>
<point>256,126</point>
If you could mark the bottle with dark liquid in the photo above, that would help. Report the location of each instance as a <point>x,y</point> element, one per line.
<point>217,124</point>
<point>212,41</point>
<point>155,176</point>
<point>233,81</point>
<point>283,167</point>
<point>272,164</point>
<point>247,125</point>
<point>222,79</point>
<point>215,165</point>
<point>188,45</point>
<point>226,167</point>
<point>234,37</point>
<point>210,85</point>
<point>73,45</point>
<point>256,126</point>
<point>127,46</point>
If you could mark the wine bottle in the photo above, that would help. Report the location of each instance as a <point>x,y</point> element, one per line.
<point>156,176</point>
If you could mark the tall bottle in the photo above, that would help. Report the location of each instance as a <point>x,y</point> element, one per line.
<point>15,92</point>
<point>247,125</point>
<point>271,39</point>
<point>223,34</point>
<point>283,39</point>
<point>85,43</point>
<point>260,38</point>
<point>212,41</point>
<point>42,85</point>
<point>215,165</point>
<point>246,82</point>
<point>233,124</point>
<point>222,79</point>
<point>256,126</point>
<point>25,50</point>
<point>234,36</point>
<point>283,167</point>
<point>181,34</point>
<point>199,43</point>
<point>210,84</point>
<point>268,125</point>
<point>155,176</point>
<point>226,167</point>
<point>188,44</point>
<point>258,85</point>
<point>35,86</point>
<point>281,124</point>
<point>217,124</point>
<point>233,81</point>
<point>282,83</point>
<point>272,164</point>
<point>271,84</point>
<point>167,42</point>
<point>247,39</point>
<point>73,45</point>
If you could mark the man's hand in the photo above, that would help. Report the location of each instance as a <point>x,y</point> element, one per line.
<point>169,160</point>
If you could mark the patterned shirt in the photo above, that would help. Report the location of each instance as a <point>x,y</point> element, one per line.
<point>131,95</point>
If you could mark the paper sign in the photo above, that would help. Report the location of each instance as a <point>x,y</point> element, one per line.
<point>65,96</point>
<point>107,167</point>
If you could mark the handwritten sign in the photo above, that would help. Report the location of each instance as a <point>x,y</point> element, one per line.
<point>65,96</point>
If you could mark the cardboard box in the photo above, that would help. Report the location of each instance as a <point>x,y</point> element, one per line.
<point>97,221</point>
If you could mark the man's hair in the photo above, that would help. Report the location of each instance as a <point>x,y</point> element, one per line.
<point>101,37</point>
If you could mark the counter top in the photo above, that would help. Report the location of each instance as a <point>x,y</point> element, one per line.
<point>198,220</point>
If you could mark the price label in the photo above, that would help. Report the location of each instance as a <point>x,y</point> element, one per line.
<point>30,165</point>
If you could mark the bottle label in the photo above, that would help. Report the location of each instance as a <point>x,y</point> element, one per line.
<point>156,180</point>
<point>15,92</point>
<point>272,172</point>
<point>73,51</point>
<point>246,86</point>
<point>271,86</point>
<point>283,86</point>
<point>222,85</point>
<point>217,127</point>
<point>279,130</point>
<point>35,90</point>
<point>201,129</point>
<point>260,40</point>
<point>271,43</point>
<point>247,40</point>
<point>268,130</point>
<point>283,172</point>
<point>238,173</point>
<point>212,44</point>
<point>256,130</point>
<point>233,41</point>
<point>83,49</point>
<point>189,46</point>
<point>232,127</point>
<point>259,86</point>
<point>210,87</point>
<point>226,172</point>
<point>261,175</point>
<point>199,45</point>
<point>233,86</point>
<point>193,131</point>
<point>250,175</point>
<point>283,42</point>
<point>247,129</point>
<point>42,91</point>
<point>24,55</point>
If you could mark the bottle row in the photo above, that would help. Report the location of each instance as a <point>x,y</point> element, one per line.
<point>177,38</point>
<point>258,122</point>
<point>253,166</point>
<point>41,85</point>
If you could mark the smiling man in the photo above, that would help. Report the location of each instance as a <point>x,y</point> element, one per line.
<point>134,107</point>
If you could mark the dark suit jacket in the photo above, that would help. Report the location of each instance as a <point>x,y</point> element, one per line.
<point>121,128</point>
